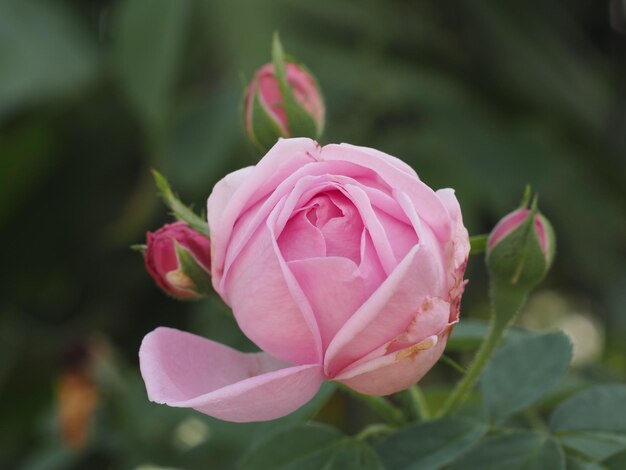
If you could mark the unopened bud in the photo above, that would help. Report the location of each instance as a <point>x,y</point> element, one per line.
<point>179,259</point>
<point>521,248</point>
<point>283,100</point>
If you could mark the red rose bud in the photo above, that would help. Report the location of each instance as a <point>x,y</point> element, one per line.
<point>521,248</point>
<point>283,100</point>
<point>179,259</point>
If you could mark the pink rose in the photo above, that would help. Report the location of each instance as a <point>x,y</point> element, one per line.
<point>186,278</point>
<point>339,263</point>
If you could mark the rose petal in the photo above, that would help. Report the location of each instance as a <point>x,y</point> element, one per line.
<point>396,371</point>
<point>308,180</point>
<point>267,307</point>
<point>428,205</point>
<point>373,225</point>
<point>389,310</point>
<point>335,290</point>
<point>390,159</point>
<point>300,239</point>
<point>187,371</point>
<point>460,237</point>
<point>282,160</point>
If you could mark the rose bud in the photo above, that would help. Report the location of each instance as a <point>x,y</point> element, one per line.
<point>339,263</point>
<point>284,104</point>
<point>521,248</point>
<point>179,259</point>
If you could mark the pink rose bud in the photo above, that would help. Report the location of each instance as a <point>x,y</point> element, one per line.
<point>179,259</point>
<point>339,263</point>
<point>284,104</point>
<point>521,248</point>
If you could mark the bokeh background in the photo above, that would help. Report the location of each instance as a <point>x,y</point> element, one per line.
<point>482,96</point>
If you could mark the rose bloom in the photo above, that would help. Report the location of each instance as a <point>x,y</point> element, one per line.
<point>339,263</point>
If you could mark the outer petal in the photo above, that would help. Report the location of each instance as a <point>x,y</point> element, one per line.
<point>223,193</point>
<point>281,161</point>
<point>460,237</point>
<point>187,371</point>
<point>398,370</point>
<point>389,311</point>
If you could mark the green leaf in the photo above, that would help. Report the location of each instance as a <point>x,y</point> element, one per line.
<point>595,445</point>
<point>313,447</point>
<point>523,371</point>
<point>149,39</point>
<point>301,123</point>
<point>598,408</point>
<point>593,422</point>
<point>45,52</point>
<point>469,334</point>
<point>521,450</point>
<point>573,463</point>
<point>180,210</point>
<point>429,445</point>
<point>354,454</point>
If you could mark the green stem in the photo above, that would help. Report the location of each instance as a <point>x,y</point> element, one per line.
<point>483,355</point>
<point>418,402</point>
<point>452,363</point>
<point>506,302</point>
<point>374,430</point>
<point>380,405</point>
<point>478,244</point>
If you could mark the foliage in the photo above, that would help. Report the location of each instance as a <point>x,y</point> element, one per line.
<point>479,96</point>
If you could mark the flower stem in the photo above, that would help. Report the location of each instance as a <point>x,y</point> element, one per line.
<point>483,355</point>
<point>419,403</point>
<point>374,430</point>
<point>380,405</point>
<point>506,303</point>
<point>478,244</point>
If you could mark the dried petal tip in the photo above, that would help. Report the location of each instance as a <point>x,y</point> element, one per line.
<point>179,259</point>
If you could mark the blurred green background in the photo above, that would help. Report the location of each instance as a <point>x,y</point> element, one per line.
<point>482,96</point>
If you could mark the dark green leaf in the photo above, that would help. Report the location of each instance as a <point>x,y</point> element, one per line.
<point>300,447</point>
<point>469,334</point>
<point>429,445</point>
<point>599,408</point>
<point>523,371</point>
<point>573,463</point>
<point>516,451</point>
<point>353,454</point>
<point>593,422</point>
<point>595,445</point>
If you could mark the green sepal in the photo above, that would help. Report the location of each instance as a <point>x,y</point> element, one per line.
<point>139,248</point>
<point>265,131</point>
<point>193,270</point>
<point>179,210</point>
<point>301,123</point>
